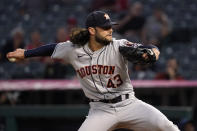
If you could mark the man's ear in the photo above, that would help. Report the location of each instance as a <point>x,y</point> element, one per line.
<point>92,30</point>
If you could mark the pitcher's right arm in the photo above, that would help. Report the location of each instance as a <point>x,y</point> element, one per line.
<point>21,54</point>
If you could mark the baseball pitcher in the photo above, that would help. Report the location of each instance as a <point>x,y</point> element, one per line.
<point>101,63</point>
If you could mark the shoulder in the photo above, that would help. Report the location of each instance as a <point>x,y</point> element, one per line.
<point>63,50</point>
<point>116,43</point>
<point>64,46</point>
<point>66,43</point>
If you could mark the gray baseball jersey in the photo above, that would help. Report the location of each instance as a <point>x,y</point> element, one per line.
<point>103,73</point>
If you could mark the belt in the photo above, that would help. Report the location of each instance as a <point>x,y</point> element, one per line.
<point>115,100</point>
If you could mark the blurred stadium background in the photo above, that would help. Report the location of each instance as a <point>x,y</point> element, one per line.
<point>40,94</point>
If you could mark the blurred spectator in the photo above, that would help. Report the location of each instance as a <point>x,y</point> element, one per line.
<point>56,69</point>
<point>3,99</point>
<point>189,126</point>
<point>132,25</point>
<point>121,5</point>
<point>102,4</point>
<point>16,41</point>
<point>35,40</point>
<point>61,35</point>
<point>140,72</point>
<point>9,98</point>
<point>171,72</point>
<point>70,24</point>
<point>158,26</point>
<point>33,6</point>
<point>112,5</point>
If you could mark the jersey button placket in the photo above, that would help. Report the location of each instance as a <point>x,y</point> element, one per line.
<point>93,62</point>
<point>94,76</point>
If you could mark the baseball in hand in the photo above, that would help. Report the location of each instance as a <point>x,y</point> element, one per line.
<point>12,59</point>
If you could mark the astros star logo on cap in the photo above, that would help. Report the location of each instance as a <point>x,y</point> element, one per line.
<point>106,16</point>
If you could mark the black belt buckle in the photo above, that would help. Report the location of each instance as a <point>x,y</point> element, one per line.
<point>115,100</point>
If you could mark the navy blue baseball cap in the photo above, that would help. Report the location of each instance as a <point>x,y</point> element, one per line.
<point>99,19</point>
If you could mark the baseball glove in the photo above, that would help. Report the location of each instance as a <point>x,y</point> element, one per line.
<point>135,54</point>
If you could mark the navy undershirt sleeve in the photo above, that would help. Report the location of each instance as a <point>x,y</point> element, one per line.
<point>45,50</point>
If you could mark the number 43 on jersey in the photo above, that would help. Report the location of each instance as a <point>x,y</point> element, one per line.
<point>114,82</point>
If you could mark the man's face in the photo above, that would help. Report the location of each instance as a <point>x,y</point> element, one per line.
<point>103,35</point>
<point>172,63</point>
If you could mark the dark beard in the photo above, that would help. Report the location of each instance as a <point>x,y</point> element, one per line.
<point>102,40</point>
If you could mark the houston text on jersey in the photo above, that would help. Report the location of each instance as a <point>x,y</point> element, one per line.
<point>95,69</point>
